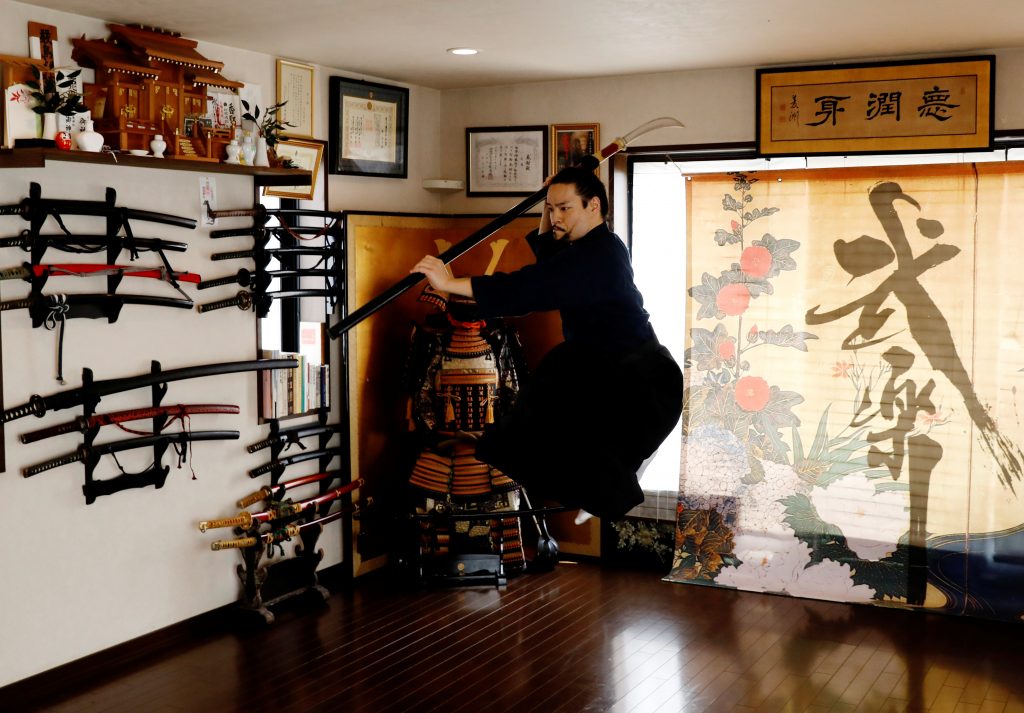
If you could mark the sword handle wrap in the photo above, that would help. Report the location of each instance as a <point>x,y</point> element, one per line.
<point>36,406</point>
<point>16,304</point>
<point>240,278</point>
<point>15,273</point>
<point>253,498</point>
<point>51,464</point>
<point>243,300</point>
<point>240,544</point>
<point>43,433</point>
<point>16,242</point>
<point>289,531</point>
<point>265,443</point>
<point>262,469</point>
<point>235,213</point>
<point>18,209</point>
<point>242,520</point>
<point>236,255</point>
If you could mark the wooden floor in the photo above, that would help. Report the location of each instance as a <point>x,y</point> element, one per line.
<point>580,638</point>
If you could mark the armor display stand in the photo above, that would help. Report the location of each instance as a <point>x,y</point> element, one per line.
<point>270,583</point>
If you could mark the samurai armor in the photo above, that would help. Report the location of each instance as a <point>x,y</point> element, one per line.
<point>462,375</point>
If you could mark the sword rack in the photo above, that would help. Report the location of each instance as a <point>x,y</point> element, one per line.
<point>51,310</point>
<point>155,475</point>
<point>284,243</point>
<point>265,584</point>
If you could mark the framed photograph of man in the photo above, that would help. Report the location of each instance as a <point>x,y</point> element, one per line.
<point>571,142</point>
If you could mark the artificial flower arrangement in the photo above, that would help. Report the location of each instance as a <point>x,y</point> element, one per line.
<point>55,92</point>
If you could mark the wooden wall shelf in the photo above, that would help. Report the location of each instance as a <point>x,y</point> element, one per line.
<point>38,157</point>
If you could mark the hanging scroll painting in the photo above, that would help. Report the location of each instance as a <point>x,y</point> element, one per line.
<point>852,419</point>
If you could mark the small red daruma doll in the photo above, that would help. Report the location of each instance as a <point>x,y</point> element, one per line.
<point>63,140</point>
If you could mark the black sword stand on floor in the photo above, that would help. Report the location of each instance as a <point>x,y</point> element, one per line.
<point>267,581</point>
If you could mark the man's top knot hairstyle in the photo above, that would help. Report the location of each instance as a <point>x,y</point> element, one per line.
<point>587,184</point>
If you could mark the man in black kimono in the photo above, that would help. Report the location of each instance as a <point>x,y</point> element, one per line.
<point>602,401</point>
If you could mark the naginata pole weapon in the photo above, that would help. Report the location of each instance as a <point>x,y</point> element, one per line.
<point>28,271</point>
<point>411,280</point>
<point>82,424</point>
<point>85,453</point>
<point>285,534</point>
<point>40,405</point>
<point>246,520</point>
<point>268,492</point>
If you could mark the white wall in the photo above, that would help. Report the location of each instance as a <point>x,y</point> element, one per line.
<point>79,578</point>
<point>715,105</point>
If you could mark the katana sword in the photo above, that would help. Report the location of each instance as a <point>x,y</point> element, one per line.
<point>244,299</point>
<point>57,308</point>
<point>260,231</point>
<point>28,271</point>
<point>83,424</point>
<point>468,243</point>
<point>293,435</point>
<point>326,251</point>
<point>89,243</point>
<point>278,511</point>
<point>260,211</point>
<point>292,460</point>
<point>40,405</point>
<point>286,533</point>
<point>36,209</point>
<point>274,492</point>
<point>86,453</point>
<point>251,279</point>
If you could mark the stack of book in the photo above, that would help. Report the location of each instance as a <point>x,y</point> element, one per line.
<point>284,392</point>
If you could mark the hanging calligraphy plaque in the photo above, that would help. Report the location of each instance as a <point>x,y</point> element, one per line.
<point>926,105</point>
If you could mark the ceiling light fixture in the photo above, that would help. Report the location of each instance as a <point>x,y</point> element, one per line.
<point>462,50</point>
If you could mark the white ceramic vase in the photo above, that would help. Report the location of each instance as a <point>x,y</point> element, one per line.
<point>260,159</point>
<point>232,150</point>
<point>49,126</point>
<point>158,145</point>
<point>248,150</point>
<point>89,140</point>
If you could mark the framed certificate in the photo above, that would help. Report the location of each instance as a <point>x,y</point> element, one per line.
<point>369,128</point>
<point>295,86</point>
<point>506,160</point>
